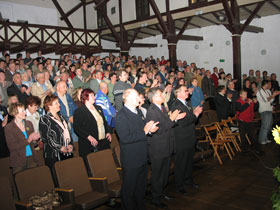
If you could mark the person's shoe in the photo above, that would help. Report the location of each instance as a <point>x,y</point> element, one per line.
<point>193,185</point>
<point>159,205</point>
<point>263,142</point>
<point>182,191</point>
<point>168,197</point>
<point>268,141</point>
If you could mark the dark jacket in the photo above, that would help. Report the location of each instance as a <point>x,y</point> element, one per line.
<point>184,131</point>
<point>17,143</point>
<point>223,107</point>
<point>207,87</point>
<point>85,125</point>
<point>161,143</point>
<point>13,89</point>
<point>52,136</point>
<point>133,141</point>
<point>4,151</point>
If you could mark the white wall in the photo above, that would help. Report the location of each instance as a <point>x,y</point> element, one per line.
<point>251,46</point>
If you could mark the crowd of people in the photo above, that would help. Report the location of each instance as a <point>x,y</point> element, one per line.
<point>49,104</point>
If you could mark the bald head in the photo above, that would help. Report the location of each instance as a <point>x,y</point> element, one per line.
<point>131,97</point>
<point>61,88</point>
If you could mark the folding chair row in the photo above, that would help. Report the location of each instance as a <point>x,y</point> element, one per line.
<point>217,140</point>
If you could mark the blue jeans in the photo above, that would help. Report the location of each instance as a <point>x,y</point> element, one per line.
<point>266,125</point>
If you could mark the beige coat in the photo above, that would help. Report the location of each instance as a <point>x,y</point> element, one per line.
<point>37,90</point>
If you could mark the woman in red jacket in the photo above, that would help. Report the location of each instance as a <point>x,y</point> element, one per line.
<point>245,114</point>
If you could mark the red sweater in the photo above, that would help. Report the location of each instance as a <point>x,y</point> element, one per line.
<point>247,114</point>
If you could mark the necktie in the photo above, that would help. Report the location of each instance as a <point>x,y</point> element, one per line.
<point>161,109</point>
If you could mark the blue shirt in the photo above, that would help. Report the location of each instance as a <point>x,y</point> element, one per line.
<point>27,148</point>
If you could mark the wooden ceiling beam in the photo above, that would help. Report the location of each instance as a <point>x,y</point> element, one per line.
<point>208,20</point>
<point>61,12</point>
<point>249,11</point>
<point>134,37</point>
<point>274,5</point>
<point>110,50</point>
<point>254,29</point>
<point>228,12</point>
<point>71,11</point>
<point>184,27</point>
<point>197,26</point>
<point>159,16</point>
<point>108,21</point>
<point>191,38</point>
<point>251,17</point>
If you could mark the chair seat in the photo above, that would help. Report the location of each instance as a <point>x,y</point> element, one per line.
<point>64,207</point>
<point>90,200</point>
<point>115,189</point>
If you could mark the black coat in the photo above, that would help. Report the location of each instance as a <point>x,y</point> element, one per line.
<point>184,131</point>
<point>85,125</point>
<point>223,107</point>
<point>13,89</point>
<point>161,143</point>
<point>133,141</point>
<point>4,151</point>
<point>52,136</point>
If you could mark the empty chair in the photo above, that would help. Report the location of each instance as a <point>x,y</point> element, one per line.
<point>36,181</point>
<point>102,164</point>
<point>217,142</point>
<point>72,173</point>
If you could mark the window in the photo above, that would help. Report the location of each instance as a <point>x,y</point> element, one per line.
<point>142,9</point>
<point>100,19</point>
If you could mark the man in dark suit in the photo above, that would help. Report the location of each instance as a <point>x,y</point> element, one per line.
<point>161,145</point>
<point>18,88</point>
<point>132,131</point>
<point>222,103</point>
<point>185,139</point>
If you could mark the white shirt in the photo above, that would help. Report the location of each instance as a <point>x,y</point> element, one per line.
<point>264,104</point>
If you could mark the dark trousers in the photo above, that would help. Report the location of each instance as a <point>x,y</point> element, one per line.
<point>183,167</point>
<point>249,129</point>
<point>134,188</point>
<point>160,173</point>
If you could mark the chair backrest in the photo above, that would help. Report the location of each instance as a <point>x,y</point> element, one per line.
<point>76,149</point>
<point>102,164</point>
<point>117,152</point>
<point>212,115</point>
<point>204,119</point>
<point>6,197</point>
<point>34,181</point>
<point>115,141</point>
<point>40,157</point>
<point>72,174</point>
<point>5,169</point>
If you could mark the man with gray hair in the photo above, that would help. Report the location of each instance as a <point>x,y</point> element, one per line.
<point>40,88</point>
<point>18,88</point>
<point>132,131</point>
<point>94,84</point>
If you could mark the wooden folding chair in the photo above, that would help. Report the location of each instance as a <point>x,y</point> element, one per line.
<point>217,143</point>
<point>225,133</point>
<point>231,120</point>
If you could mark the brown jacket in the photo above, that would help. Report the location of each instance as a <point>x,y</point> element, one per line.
<point>17,143</point>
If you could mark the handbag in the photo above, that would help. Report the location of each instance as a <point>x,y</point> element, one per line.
<point>46,201</point>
